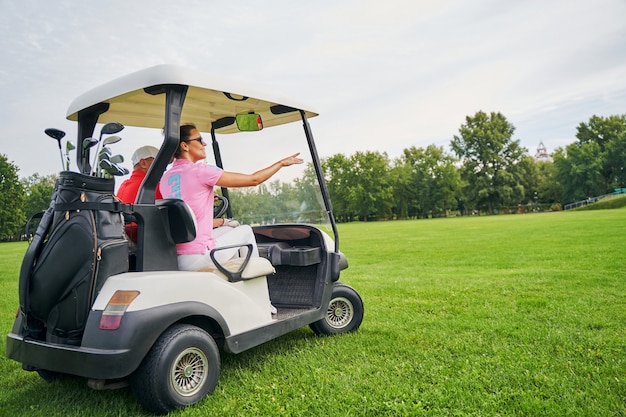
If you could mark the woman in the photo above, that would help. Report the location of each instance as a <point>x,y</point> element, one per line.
<point>194,184</point>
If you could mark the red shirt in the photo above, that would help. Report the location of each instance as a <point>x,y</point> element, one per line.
<point>130,188</point>
<point>128,194</point>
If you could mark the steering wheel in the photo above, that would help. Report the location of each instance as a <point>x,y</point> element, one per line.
<point>220,205</point>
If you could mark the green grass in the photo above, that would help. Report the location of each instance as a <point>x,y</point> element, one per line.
<point>517,315</point>
<point>617,201</point>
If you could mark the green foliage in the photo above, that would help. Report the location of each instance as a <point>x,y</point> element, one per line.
<point>596,162</point>
<point>549,189</point>
<point>470,316</point>
<point>609,134</point>
<point>360,186</point>
<point>428,183</point>
<point>12,217</point>
<point>278,202</point>
<point>490,159</point>
<point>580,171</point>
<point>38,192</point>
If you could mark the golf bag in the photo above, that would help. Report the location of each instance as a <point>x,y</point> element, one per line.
<point>78,244</point>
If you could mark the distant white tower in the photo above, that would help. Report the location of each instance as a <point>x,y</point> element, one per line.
<point>542,153</point>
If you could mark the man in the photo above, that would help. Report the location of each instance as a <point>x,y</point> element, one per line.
<point>142,160</point>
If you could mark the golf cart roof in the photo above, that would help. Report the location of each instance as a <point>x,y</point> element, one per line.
<point>132,103</point>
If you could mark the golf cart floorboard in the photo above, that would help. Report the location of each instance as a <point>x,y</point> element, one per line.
<point>286,313</point>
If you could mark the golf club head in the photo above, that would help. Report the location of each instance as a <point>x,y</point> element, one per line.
<point>104,151</point>
<point>55,134</point>
<point>69,146</point>
<point>89,143</point>
<point>110,128</point>
<point>117,159</point>
<point>112,169</point>
<point>111,139</point>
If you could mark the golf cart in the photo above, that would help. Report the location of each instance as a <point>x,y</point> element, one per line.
<point>94,306</point>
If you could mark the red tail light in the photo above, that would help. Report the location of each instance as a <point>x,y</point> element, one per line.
<point>114,311</point>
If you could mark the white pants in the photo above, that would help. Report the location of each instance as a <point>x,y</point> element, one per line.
<point>224,236</point>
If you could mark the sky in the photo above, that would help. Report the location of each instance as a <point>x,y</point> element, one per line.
<point>384,76</point>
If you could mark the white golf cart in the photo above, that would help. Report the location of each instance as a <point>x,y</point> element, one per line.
<point>93,306</point>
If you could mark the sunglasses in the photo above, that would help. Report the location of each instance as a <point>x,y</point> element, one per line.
<point>194,139</point>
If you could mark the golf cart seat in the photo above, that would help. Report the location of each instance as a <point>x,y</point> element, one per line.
<point>181,219</point>
<point>160,227</point>
<point>239,268</point>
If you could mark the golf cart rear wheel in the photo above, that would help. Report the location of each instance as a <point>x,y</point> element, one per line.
<point>343,314</point>
<point>182,367</point>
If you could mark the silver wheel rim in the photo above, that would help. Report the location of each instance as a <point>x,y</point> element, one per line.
<point>339,313</point>
<point>189,372</point>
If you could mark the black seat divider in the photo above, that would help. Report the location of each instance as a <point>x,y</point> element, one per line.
<point>160,227</point>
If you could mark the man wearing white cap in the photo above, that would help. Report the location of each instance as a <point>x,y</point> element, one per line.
<point>142,159</point>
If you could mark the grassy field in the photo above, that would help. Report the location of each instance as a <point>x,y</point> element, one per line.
<point>519,315</point>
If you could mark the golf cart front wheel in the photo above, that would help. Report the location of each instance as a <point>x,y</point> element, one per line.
<point>182,367</point>
<point>343,314</point>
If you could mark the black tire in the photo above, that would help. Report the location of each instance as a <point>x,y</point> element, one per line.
<point>344,312</point>
<point>180,369</point>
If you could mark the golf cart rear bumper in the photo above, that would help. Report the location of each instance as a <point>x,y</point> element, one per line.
<point>104,354</point>
<point>74,360</point>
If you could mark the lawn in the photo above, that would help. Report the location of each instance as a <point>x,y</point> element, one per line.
<point>518,315</point>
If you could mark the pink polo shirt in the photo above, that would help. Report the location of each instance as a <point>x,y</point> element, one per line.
<point>193,183</point>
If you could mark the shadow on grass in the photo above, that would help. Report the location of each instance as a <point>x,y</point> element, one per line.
<point>28,394</point>
<point>65,396</point>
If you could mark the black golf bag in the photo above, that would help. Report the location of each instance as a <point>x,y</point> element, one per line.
<point>78,244</point>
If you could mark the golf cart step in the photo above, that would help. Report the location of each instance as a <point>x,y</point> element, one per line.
<point>285,313</point>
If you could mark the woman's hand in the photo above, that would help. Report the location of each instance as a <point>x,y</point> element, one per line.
<point>291,160</point>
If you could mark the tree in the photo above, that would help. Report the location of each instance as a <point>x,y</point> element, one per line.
<point>549,188</point>
<point>579,169</point>
<point>405,195</point>
<point>38,192</point>
<point>370,193</point>
<point>337,172</point>
<point>359,185</point>
<point>12,195</point>
<point>429,180</point>
<point>609,134</point>
<point>489,155</point>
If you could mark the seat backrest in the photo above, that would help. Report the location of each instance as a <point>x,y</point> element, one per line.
<point>181,219</point>
<point>160,227</point>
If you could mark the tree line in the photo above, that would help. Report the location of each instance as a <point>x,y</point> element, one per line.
<point>484,171</point>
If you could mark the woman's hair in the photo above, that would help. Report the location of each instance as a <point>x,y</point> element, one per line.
<point>185,133</point>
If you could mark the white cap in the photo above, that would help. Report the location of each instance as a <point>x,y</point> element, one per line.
<point>143,153</point>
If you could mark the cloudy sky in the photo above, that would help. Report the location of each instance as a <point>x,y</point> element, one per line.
<point>384,75</point>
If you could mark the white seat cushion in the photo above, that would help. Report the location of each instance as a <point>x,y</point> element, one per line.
<point>257,267</point>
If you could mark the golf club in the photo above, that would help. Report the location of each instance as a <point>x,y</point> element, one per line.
<point>104,151</point>
<point>87,144</point>
<point>111,139</point>
<point>112,169</point>
<point>108,129</point>
<point>107,141</point>
<point>57,135</point>
<point>117,159</point>
<point>69,146</point>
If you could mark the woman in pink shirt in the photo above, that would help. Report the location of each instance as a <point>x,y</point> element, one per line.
<point>194,184</point>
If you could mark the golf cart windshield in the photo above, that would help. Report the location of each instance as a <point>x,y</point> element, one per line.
<point>165,96</point>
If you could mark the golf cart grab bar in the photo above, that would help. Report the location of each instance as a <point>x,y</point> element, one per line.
<point>239,269</point>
